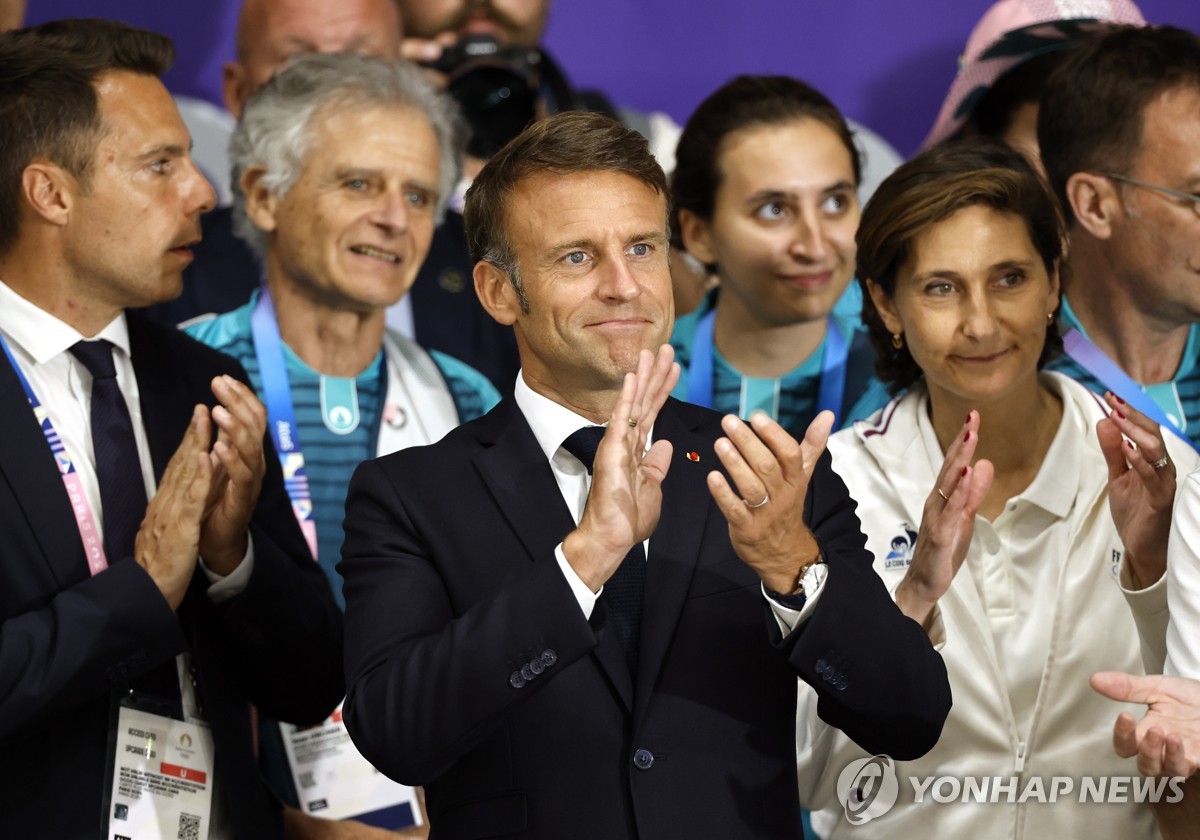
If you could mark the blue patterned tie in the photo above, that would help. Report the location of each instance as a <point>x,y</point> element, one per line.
<point>624,591</point>
<point>118,468</point>
<point>122,489</point>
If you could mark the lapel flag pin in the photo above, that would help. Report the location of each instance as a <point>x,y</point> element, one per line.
<point>693,456</point>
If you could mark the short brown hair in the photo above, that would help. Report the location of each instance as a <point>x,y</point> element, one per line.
<point>48,103</point>
<point>927,190</point>
<point>575,141</point>
<point>744,102</point>
<point>1093,105</point>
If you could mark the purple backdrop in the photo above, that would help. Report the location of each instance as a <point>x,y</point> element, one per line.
<point>887,64</point>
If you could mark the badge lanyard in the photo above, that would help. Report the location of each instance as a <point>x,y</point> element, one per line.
<point>1092,359</point>
<point>281,413</point>
<point>85,520</point>
<point>412,379</point>
<point>830,393</point>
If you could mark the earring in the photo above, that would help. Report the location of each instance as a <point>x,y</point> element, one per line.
<point>1049,319</point>
<point>897,340</point>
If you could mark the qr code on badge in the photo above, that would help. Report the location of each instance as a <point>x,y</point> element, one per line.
<point>189,827</point>
<point>306,780</point>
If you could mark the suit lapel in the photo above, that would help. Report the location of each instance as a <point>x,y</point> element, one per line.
<point>162,394</point>
<point>675,547</point>
<point>515,470</point>
<point>30,468</point>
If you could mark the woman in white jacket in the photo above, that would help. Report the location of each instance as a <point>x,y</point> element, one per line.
<point>1042,538</point>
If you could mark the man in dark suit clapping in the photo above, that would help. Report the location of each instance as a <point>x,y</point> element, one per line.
<point>153,583</point>
<point>584,613</point>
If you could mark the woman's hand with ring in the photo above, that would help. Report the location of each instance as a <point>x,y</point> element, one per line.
<point>1141,487</point>
<point>947,523</point>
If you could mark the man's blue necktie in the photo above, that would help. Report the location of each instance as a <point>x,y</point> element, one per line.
<point>122,489</point>
<point>123,492</point>
<point>118,468</point>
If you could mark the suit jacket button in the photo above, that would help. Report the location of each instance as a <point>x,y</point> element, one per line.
<point>536,666</point>
<point>516,680</point>
<point>822,666</point>
<point>828,675</point>
<point>527,673</point>
<point>841,683</point>
<point>549,657</point>
<point>643,759</point>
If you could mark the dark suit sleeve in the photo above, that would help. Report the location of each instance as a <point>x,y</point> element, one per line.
<point>876,674</point>
<point>85,640</point>
<point>428,681</point>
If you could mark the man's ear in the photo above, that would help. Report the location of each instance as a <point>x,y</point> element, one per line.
<point>496,293</point>
<point>697,236</point>
<point>49,191</point>
<point>886,308</point>
<point>233,87</point>
<point>261,203</point>
<point>1095,201</point>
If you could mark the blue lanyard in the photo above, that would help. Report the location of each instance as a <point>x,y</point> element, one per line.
<point>830,393</point>
<point>1092,359</point>
<point>281,413</point>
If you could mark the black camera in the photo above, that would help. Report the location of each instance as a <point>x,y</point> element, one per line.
<point>496,87</point>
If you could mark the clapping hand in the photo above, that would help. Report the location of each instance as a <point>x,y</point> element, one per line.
<point>168,540</point>
<point>625,500</point>
<point>1141,487</point>
<point>771,471</point>
<point>238,467</point>
<point>947,524</point>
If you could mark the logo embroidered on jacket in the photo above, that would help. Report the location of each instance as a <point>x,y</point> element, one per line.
<point>901,552</point>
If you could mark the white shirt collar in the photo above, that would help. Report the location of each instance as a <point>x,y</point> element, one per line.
<point>551,423</point>
<point>42,335</point>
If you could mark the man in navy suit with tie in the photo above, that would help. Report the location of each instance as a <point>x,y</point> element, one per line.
<point>147,547</point>
<point>565,631</point>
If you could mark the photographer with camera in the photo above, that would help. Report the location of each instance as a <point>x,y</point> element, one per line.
<point>489,53</point>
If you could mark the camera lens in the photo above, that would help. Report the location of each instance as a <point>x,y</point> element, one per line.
<point>497,104</point>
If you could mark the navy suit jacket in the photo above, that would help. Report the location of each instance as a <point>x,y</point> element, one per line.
<point>70,642</point>
<point>447,315</point>
<point>472,670</point>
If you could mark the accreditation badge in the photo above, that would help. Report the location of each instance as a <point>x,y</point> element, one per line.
<point>162,775</point>
<point>335,782</point>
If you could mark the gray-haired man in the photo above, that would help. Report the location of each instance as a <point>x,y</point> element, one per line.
<point>343,165</point>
